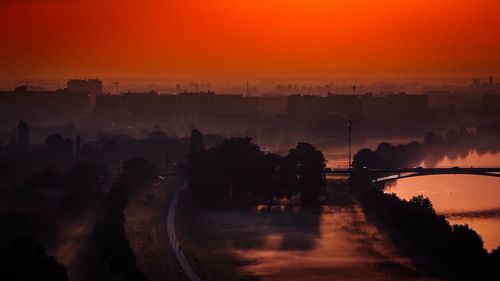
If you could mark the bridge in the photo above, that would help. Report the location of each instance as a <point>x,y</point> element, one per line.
<point>383,175</point>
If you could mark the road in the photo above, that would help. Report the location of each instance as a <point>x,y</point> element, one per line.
<point>147,232</point>
<point>174,242</point>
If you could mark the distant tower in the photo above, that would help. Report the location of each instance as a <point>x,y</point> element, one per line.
<point>248,89</point>
<point>354,89</point>
<point>23,135</point>
<point>491,80</point>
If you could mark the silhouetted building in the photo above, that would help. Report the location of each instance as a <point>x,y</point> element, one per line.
<point>348,106</point>
<point>44,107</point>
<point>303,104</point>
<point>93,86</point>
<point>356,106</point>
<point>395,105</point>
<point>238,111</point>
<point>266,105</point>
<point>447,98</point>
<point>186,106</point>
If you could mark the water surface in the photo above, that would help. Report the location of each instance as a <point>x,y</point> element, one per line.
<point>464,199</point>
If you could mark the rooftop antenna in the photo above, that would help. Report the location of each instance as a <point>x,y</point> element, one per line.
<point>24,83</point>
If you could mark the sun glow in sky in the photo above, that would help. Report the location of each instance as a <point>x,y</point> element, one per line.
<point>258,37</point>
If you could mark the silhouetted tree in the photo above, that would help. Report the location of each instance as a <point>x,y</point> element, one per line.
<point>452,137</point>
<point>237,171</point>
<point>56,146</point>
<point>23,132</point>
<point>203,178</point>
<point>36,223</point>
<point>84,184</point>
<point>455,252</point>
<point>238,162</point>
<point>24,259</point>
<point>411,154</point>
<point>47,179</point>
<point>431,139</point>
<point>197,140</point>
<point>138,171</point>
<point>467,248</point>
<point>157,135</point>
<point>109,231</point>
<point>422,202</point>
<point>111,148</point>
<point>494,264</point>
<point>272,184</point>
<point>231,172</point>
<point>389,155</point>
<point>307,165</point>
<point>366,158</point>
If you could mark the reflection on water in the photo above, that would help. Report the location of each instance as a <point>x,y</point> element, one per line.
<point>464,199</point>
<point>323,244</point>
<point>452,193</point>
<point>337,155</point>
<point>470,159</point>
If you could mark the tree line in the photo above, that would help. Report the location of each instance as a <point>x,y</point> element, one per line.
<point>454,143</point>
<point>237,172</point>
<point>450,251</point>
<point>109,231</point>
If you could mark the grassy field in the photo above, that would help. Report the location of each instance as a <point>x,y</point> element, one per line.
<point>206,250</point>
<point>145,228</point>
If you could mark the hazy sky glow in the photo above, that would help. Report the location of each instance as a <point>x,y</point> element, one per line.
<point>259,37</point>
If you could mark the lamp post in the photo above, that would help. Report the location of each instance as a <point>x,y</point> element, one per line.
<point>349,125</point>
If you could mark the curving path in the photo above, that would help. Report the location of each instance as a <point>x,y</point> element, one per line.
<point>172,237</point>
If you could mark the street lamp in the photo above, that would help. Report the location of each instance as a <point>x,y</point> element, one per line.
<point>349,125</point>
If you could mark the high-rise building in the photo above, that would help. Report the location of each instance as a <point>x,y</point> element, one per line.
<point>93,86</point>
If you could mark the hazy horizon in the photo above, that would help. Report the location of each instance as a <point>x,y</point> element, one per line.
<point>148,82</point>
<point>216,41</point>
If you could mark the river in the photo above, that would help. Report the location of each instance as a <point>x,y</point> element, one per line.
<point>463,199</point>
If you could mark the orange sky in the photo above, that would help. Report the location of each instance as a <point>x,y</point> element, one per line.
<point>259,37</point>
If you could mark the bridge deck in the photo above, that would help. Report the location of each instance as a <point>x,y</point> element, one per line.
<point>454,170</point>
<point>393,174</point>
